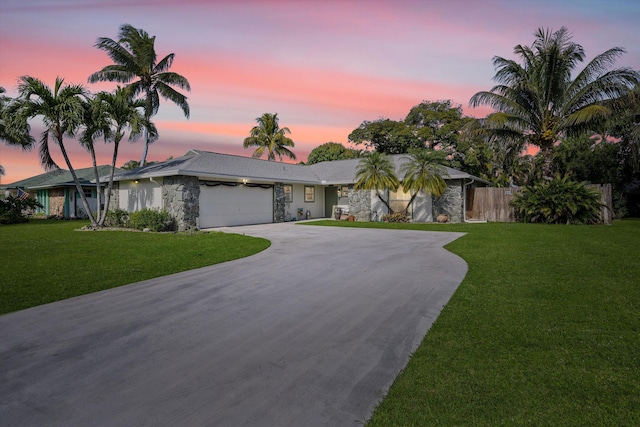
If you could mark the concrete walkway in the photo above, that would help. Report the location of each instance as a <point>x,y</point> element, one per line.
<point>310,332</point>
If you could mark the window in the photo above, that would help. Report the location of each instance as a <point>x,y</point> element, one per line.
<point>398,200</point>
<point>309,194</point>
<point>344,191</point>
<point>288,194</point>
<point>87,192</point>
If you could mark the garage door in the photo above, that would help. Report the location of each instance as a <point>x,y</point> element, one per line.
<point>224,206</point>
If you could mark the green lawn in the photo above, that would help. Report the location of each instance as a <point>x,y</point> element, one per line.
<point>543,331</point>
<point>46,260</point>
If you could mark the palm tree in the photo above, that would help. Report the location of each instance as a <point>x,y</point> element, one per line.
<point>376,171</point>
<point>424,172</point>
<point>134,56</point>
<point>113,115</point>
<point>14,129</point>
<point>538,102</point>
<point>270,137</point>
<point>62,111</point>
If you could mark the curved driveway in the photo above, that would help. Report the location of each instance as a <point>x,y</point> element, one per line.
<point>310,332</point>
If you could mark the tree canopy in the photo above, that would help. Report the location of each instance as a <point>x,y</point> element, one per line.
<point>331,151</point>
<point>269,137</point>
<point>430,124</point>
<point>135,63</point>
<point>537,101</point>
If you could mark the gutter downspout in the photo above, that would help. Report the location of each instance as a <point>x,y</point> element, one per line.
<point>464,205</point>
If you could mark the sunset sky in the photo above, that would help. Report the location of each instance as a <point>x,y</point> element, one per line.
<point>323,66</point>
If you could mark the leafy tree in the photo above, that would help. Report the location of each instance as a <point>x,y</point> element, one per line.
<point>428,124</point>
<point>134,57</point>
<point>538,103</point>
<point>269,137</point>
<point>130,165</point>
<point>62,111</point>
<point>376,171</point>
<point>588,159</point>
<point>437,124</point>
<point>386,136</point>
<point>331,151</point>
<point>424,172</point>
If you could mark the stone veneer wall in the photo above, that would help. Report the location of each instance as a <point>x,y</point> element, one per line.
<point>450,203</point>
<point>278,203</point>
<point>56,201</point>
<point>181,199</point>
<point>360,204</point>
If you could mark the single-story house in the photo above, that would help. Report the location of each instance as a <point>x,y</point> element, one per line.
<point>56,191</point>
<point>205,190</point>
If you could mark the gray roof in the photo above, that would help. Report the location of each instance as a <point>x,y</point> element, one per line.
<point>60,178</point>
<point>217,166</point>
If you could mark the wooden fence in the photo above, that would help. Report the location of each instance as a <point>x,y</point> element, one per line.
<point>492,204</point>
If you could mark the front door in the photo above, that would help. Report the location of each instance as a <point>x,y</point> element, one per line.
<point>330,199</point>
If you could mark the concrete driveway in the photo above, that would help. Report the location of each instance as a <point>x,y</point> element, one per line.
<point>310,332</point>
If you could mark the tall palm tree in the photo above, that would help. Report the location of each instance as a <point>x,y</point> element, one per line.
<point>14,129</point>
<point>376,171</point>
<point>424,172</point>
<point>134,56</point>
<point>538,100</point>
<point>269,137</point>
<point>62,111</point>
<point>113,115</point>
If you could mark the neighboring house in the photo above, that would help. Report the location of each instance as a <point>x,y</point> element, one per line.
<point>56,191</point>
<point>204,190</point>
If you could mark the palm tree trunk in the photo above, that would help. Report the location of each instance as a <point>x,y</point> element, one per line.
<point>413,197</point>
<point>547,164</point>
<point>85,203</point>
<point>145,150</point>
<point>107,199</point>
<point>384,201</point>
<point>97,176</point>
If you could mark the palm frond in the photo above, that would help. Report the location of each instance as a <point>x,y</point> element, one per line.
<point>174,96</point>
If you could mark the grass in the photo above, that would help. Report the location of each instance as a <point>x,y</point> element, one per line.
<point>46,260</point>
<point>543,331</point>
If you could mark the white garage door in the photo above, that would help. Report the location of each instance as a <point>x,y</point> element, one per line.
<point>224,206</point>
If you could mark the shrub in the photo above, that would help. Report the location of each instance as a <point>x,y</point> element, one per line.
<point>560,201</point>
<point>397,217</point>
<point>151,219</point>
<point>13,210</point>
<point>117,218</point>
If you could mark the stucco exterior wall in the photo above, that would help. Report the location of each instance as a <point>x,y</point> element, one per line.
<point>315,208</point>
<point>145,194</point>
<point>423,208</point>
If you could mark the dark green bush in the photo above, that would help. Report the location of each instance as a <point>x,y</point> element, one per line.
<point>151,219</point>
<point>117,218</point>
<point>560,201</point>
<point>14,210</point>
<point>397,217</point>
